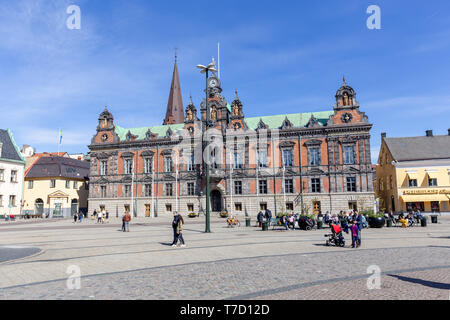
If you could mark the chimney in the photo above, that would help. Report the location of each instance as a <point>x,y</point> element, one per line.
<point>383,135</point>
<point>429,133</point>
<point>1,145</point>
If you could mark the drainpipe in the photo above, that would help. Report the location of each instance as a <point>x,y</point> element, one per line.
<point>301,173</point>
<point>274,175</point>
<point>157,177</point>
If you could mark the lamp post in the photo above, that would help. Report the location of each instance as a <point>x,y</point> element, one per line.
<point>206,69</point>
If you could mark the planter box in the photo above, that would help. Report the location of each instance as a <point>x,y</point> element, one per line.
<point>377,222</point>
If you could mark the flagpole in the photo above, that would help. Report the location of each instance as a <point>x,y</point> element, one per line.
<point>176,182</point>
<point>218,58</point>
<point>132,186</point>
<point>257,174</point>
<point>231,185</point>
<point>153,191</point>
<point>284,181</point>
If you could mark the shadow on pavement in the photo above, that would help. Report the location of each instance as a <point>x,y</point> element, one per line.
<point>431,284</point>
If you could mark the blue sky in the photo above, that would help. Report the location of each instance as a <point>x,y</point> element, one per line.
<point>282,56</point>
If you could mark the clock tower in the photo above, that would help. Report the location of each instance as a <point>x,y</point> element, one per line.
<point>217,104</point>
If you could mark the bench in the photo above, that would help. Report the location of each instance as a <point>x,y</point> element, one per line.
<point>276,223</point>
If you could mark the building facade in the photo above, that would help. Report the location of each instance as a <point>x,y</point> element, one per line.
<point>318,161</point>
<point>413,173</point>
<point>56,186</point>
<point>12,167</point>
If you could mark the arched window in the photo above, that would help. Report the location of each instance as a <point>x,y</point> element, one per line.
<point>39,206</point>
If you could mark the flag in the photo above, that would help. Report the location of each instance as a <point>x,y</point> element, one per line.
<point>60,136</point>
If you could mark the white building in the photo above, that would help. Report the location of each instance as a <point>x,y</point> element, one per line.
<point>12,167</point>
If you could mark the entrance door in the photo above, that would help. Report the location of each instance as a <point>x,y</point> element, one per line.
<point>74,207</point>
<point>216,201</point>
<point>147,210</point>
<point>58,210</point>
<point>316,207</point>
<point>39,206</point>
<point>435,206</point>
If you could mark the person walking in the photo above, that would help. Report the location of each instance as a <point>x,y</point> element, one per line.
<point>123,221</point>
<point>80,217</point>
<point>75,216</point>
<point>180,231</point>
<point>106,216</point>
<point>268,216</point>
<point>94,214</point>
<point>358,220</point>
<point>99,217</point>
<point>260,218</point>
<point>174,227</point>
<point>284,222</point>
<point>127,219</point>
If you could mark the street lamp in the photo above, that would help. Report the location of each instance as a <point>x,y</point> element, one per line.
<point>210,67</point>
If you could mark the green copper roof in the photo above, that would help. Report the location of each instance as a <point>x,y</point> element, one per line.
<point>273,122</point>
<point>141,132</point>
<point>297,119</point>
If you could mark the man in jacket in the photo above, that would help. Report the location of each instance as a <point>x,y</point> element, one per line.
<point>174,227</point>
<point>358,219</point>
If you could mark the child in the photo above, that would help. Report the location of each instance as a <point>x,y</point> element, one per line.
<point>354,230</point>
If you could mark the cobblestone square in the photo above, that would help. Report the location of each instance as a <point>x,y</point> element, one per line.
<point>38,259</point>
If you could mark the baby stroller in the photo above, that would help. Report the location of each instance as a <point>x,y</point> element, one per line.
<point>306,223</point>
<point>336,236</point>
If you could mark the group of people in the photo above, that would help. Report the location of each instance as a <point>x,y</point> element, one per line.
<point>408,219</point>
<point>261,217</point>
<point>101,216</point>
<point>352,222</point>
<point>78,216</point>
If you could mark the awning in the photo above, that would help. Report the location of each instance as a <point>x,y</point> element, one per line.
<point>424,197</point>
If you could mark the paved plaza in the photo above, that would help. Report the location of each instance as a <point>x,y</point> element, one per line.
<point>229,263</point>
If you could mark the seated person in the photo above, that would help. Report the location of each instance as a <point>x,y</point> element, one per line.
<point>291,220</point>
<point>403,221</point>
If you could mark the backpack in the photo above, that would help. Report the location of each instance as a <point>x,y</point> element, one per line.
<point>127,217</point>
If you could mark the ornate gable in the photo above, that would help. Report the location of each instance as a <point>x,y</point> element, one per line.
<point>313,123</point>
<point>286,124</point>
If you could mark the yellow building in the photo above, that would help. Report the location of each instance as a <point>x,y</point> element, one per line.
<point>56,187</point>
<point>413,173</point>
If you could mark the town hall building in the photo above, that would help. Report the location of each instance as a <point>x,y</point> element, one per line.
<point>315,161</point>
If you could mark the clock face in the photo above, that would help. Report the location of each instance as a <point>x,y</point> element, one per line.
<point>213,83</point>
<point>347,117</point>
<point>105,137</point>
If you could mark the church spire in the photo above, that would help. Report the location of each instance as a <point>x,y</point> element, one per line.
<point>175,111</point>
